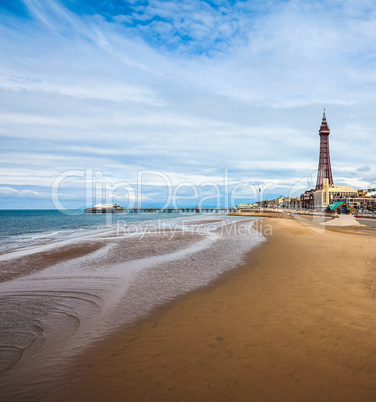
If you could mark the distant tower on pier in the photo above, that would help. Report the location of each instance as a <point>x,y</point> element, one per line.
<point>325,169</point>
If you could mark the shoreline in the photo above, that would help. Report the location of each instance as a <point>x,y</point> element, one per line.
<point>291,323</point>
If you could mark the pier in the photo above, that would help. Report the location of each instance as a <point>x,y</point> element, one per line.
<point>198,210</point>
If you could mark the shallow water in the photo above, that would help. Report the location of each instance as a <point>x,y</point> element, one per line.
<point>53,313</point>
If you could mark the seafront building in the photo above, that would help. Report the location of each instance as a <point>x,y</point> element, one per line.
<point>247,207</point>
<point>364,200</point>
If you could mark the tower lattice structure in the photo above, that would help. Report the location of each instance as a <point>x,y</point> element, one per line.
<point>325,169</point>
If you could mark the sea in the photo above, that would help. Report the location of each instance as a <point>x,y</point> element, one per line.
<point>68,279</point>
<point>23,228</point>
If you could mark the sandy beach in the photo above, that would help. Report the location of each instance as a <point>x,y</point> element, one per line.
<point>297,321</point>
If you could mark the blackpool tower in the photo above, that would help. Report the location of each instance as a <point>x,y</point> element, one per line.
<point>324,170</point>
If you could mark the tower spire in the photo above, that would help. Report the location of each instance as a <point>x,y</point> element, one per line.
<point>324,169</point>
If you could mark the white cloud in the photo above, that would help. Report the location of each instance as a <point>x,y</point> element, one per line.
<point>9,192</point>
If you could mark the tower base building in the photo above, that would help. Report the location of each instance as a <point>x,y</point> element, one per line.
<point>329,194</point>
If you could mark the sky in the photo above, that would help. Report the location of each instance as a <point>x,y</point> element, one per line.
<point>182,102</point>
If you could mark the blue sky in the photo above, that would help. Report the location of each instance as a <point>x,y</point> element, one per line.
<point>191,89</point>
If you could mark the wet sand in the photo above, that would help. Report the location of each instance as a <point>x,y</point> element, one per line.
<point>29,264</point>
<point>296,322</point>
